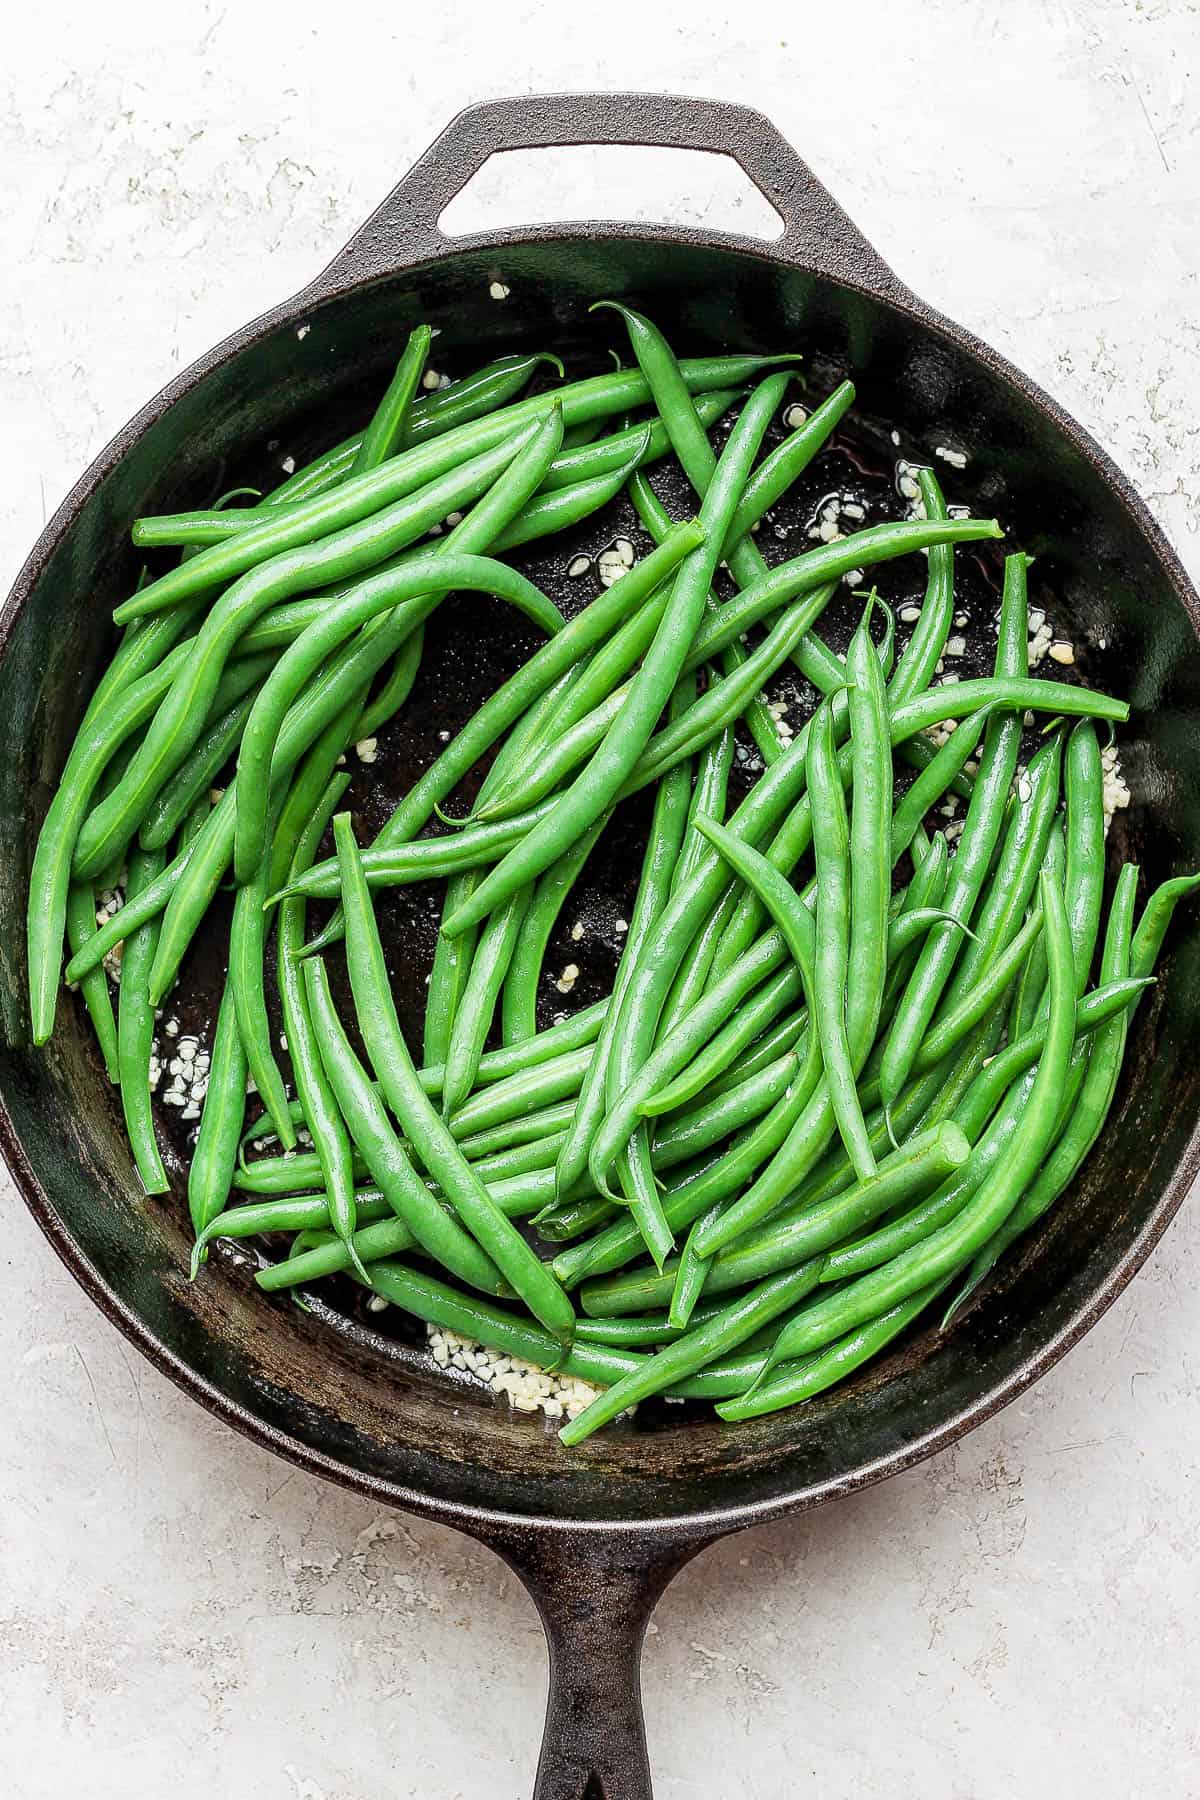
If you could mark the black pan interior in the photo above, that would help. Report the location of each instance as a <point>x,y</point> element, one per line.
<point>368,1403</point>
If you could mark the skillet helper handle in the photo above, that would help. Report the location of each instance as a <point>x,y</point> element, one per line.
<point>817,234</point>
<point>595,1596</point>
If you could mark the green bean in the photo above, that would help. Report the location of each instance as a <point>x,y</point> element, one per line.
<point>936,779</point>
<point>801,1232</point>
<point>1031,986</point>
<point>292,1173</point>
<point>394,1067</point>
<point>542,1061</point>
<point>135,1034</point>
<point>546,514</point>
<point>919,752</point>
<point>648,1331</point>
<point>195,775</point>
<point>797,932</point>
<point>956,1242</point>
<point>742,1026</point>
<point>689,1280</point>
<point>388,429</point>
<point>788,461</point>
<point>690,443</point>
<point>100,736</point>
<point>269,1216</point>
<point>834,1363</point>
<point>251,541</point>
<point>595,789</point>
<point>871,853</point>
<point>518,1011</point>
<point>976,846</point>
<point>704,1344</point>
<point>180,716</point>
<point>831,844</point>
<point>79,919</point>
<point>918,665</point>
<point>1104,1055</point>
<point>419,585</point>
<point>762,727</point>
<point>971,1112</point>
<point>320,1110</point>
<point>440,1237</point>
<point>1084,783</point>
<point>516,1096</point>
<point>395,691</point>
<point>627,1084</point>
<point>1015,877</point>
<point>551,661</point>
<point>659,862</point>
<point>570,469</point>
<point>452,956</point>
<point>472,1022</point>
<point>214,1158</point>
<point>633,1165</point>
<point>247,943</point>
<point>806,575</point>
<point>194,823</point>
<point>247,936</point>
<point>386,1237</point>
<point>432,415</point>
<point>1152,926</point>
<point>516,1159</point>
<point>708,797</point>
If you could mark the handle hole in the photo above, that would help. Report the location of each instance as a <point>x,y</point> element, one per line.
<point>612,182</point>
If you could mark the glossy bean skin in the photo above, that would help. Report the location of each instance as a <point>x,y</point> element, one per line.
<point>432,415</point>
<point>657,521</point>
<point>1101,1057</point>
<point>494,949</point>
<point>389,426</point>
<point>179,719</point>
<point>135,1033</point>
<point>678,1360</point>
<point>441,1237</point>
<point>956,1242</point>
<point>1013,880</point>
<point>798,1382</point>
<point>632,1158</point>
<point>975,847</point>
<point>350,503</point>
<point>831,848</point>
<point>79,920</point>
<point>518,1009</point>
<point>214,1159</point>
<point>690,1277</point>
<point>419,585</point>
<point>936,780</point>
<point>385,1044</point>
<point>778,471</point>
<point>331,1140</point>
<point>103,730</point>
<point>374,1240</point>
<point>595,789</point>
<point>915,669</point>
<point>800,1234</point>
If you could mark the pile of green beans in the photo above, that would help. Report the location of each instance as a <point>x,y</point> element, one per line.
<point>844,1065</point>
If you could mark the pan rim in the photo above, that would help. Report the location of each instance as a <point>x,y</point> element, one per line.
<point>668,1528</point>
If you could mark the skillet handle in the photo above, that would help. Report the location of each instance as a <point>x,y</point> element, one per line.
<point>595,1595</point>
<point>404,230</point>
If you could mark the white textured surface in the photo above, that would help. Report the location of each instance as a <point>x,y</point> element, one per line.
<point>184,1616</point>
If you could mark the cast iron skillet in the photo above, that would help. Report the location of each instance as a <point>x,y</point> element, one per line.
<point>597,1534</point>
